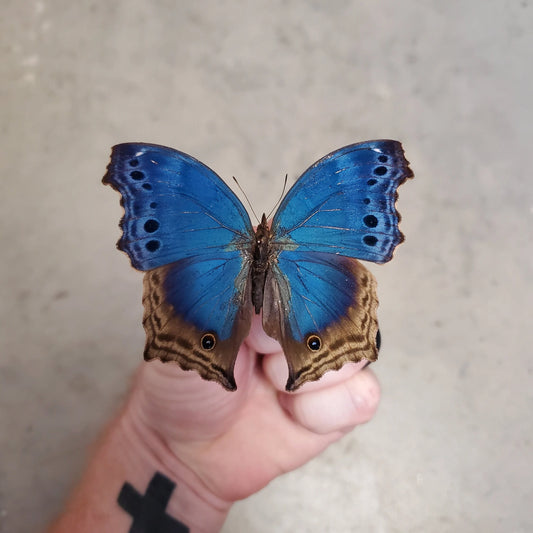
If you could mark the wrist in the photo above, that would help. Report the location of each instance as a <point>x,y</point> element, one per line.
<point>146,453</point>
<point>127,460</point>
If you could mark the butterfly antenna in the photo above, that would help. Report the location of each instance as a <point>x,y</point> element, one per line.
<point>244,194</point>
<point>280,198</point>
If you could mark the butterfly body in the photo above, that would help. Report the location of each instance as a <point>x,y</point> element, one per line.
<point>208,270</point>
<point>261,256</point>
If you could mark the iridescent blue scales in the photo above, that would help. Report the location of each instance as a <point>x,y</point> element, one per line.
<point>208,270</point>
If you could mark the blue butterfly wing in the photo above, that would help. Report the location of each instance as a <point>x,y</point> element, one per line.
<point>320,302</point>
<point>344,203</point>
<point>175,206</point>
<point>191,233</point>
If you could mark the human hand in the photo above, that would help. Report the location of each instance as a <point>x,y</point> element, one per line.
<point>231,444</point>
<point>217,446</point>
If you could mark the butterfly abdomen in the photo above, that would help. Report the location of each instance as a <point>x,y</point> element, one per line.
<point>261,258</point>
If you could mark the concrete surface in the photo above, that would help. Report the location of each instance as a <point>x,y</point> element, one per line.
<point>255,90</point>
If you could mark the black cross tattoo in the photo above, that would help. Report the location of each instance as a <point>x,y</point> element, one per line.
<point>148,511</point>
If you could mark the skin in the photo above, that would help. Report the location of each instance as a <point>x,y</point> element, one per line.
<point>217,446</point>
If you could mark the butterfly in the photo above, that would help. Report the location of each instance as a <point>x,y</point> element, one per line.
<point>208,270</point>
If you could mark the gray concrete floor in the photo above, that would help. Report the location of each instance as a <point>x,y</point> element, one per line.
<point>255,90</point>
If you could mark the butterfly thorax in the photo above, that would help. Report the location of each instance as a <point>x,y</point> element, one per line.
<point>261,257</point>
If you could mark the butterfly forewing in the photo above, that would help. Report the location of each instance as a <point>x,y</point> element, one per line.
<point>345,203</point>
<point>175,206</point>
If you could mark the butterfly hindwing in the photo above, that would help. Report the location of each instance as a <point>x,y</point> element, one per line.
<point>322,308</point>
<point>185,226</point>
<point>171,332</point>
